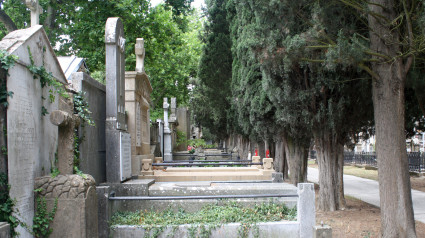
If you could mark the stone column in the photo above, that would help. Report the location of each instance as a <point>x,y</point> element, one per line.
<point>168,156</point>
<point>118,141</point>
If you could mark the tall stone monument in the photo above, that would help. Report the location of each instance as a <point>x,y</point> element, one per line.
<point>118,142</point>
<point>36,10</point>
<point>137,101</point>
<point>168,156</point>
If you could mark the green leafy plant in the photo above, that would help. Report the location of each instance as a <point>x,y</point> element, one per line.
<point>46,79</point>
<point>7,206</point>
<point>7,61</point>
<point>43,218</point>
<point>208,218</point>
<point>81,107</point>
<point>181,138</point>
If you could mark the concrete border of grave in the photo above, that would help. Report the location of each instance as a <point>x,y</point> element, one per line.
<point>303,227</point>
<point>4,230</point>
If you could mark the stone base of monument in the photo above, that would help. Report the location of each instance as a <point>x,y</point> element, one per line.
<point>77,211</point>
<point>179,174</point>
<point>302,227</point>
<point>4,230</point>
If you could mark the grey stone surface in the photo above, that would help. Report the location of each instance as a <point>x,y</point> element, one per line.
<point>268,229</point>
<point>306,211</point>
<point>4,230</point>
<point>104,210</point>
<point>32,138</point>
<point>322,231</point>
<point>77,208</point>
<point>115,71</point>
<point>277,177</point>
<point>168,153</point>
<point>92,149</point>
<point>118,160</point>
<point>368,191</point>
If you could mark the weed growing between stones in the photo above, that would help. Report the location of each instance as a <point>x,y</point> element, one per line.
<point>207,219</point>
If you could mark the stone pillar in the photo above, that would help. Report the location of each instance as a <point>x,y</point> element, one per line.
<point>268,164</point>
<point>306,211</point>
<point>158,160</point>
<point>65,119</point>
<point>77,210</point>
<point>118,141</point>
<point>168,156</point>
<point>256,159</point>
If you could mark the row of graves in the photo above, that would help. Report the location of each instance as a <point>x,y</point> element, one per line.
<point>121,172</point>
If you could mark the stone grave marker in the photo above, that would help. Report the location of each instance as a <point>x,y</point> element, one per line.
<point>118,157</point>
<point>168,156</point>
<point>31,137</point>
<point>137,101</point>
<point>36,10</point>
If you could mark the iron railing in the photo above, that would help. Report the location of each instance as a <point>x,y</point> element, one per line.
<point>416,159</point>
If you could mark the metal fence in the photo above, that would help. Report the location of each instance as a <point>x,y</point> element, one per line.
<point>416,159</point>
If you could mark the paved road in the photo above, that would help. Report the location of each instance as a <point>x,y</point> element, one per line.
<point>368,191</point>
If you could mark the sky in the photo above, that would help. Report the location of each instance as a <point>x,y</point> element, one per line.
<point>196,3</point>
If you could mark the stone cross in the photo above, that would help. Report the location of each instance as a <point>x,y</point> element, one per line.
<point>115,72</point>
<point>67,121</point>
<point>140,55</point>
<point>165,106</point>
<point>36,10</point>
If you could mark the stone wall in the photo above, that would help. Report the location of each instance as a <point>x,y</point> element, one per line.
<point>92,149</point>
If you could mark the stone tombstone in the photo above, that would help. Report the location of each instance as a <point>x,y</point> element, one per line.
<point>118,158</point>
<point>67,122</point>
<point>36,10</point>
<point>168,156</point>
<point>77,208</point>
<point>137,103</point>
<point>92,149</point>
<point>183,117</point>
<point>115,71</point>
<point>31,137</point>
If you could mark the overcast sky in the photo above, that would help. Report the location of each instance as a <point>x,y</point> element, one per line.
<point>196,3</point>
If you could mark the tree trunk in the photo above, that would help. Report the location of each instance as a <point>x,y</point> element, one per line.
<point>7,21</point>
<point>330,156</point>
<point>388,101</point>
<point>297,156</point>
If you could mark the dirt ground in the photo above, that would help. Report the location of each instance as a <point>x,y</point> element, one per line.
<point>358,219</point>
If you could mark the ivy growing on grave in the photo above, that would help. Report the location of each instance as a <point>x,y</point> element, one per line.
<point>81,107</point>
<point>46,79</point>
<point>7,204</point>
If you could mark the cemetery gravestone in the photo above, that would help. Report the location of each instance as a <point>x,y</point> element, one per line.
<point>168,156</point>
<point>137,101</point>
<point>118,158</point>
<point>31,137</point>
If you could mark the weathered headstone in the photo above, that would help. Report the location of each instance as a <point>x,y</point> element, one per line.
<point>36,10</point>
<point>168,156</point>
<point>77,210</point>
<point>137,101</point>
<point>66,121</point>
<point>31,137</point>
<point>118,158</point>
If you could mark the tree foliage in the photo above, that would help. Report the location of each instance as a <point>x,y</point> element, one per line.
<point>172,45</point>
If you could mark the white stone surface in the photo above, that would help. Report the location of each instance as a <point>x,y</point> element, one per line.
<point>32,138</point>
<point>125,156</point>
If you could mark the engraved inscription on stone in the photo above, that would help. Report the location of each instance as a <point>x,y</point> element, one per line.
<point>138,125</point>
<point>125,156</point>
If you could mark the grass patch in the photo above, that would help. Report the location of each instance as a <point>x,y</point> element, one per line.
<point>361,172</point>
<point>208,218</point>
